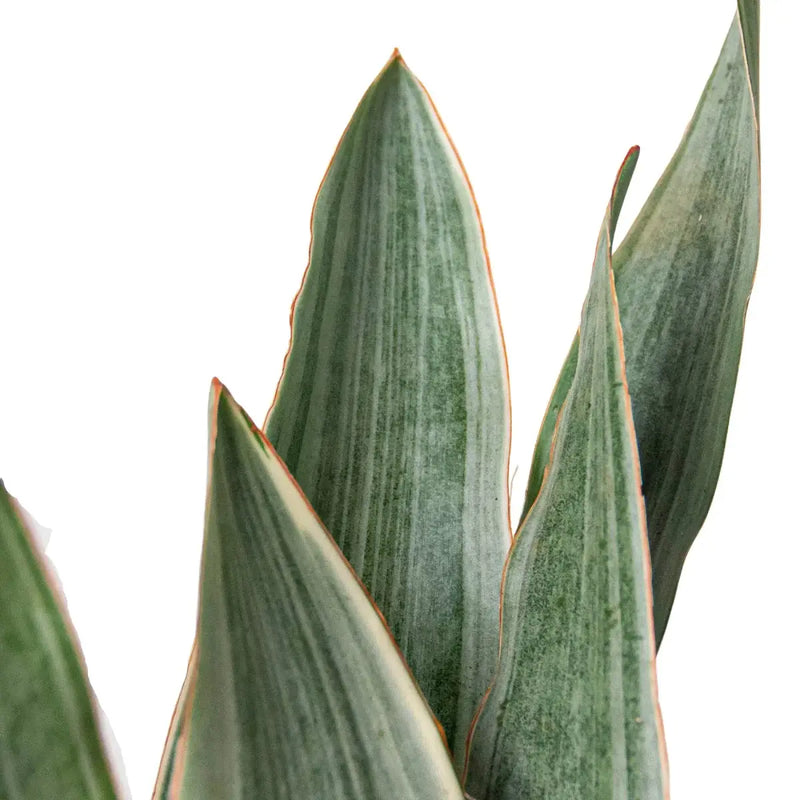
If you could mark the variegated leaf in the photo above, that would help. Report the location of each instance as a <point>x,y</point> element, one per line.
<point>684,274</point>
<point>572,712</point>
<point>50,736</point>
<point>392,412</point>
<point>295,687</point>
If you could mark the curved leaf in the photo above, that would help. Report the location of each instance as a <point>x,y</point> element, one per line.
<point>50,741</point>
<point>392,411</point>
<point>684,275</point>
<point>296,688</point>
<point>573,712</point>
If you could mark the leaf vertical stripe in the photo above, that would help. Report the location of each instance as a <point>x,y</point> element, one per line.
<point>684,275</point>
<point>573,711</point>
<point>392,412</point>
<point>299,690</point>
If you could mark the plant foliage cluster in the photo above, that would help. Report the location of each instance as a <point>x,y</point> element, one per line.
<point>369,624</point>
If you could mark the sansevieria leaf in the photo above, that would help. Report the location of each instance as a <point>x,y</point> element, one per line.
<point>167,785</point>
<point>684,274</point>
<point>392,411</point>
<point>295,688</point>
<point>50,742</point>
<point>572,712</point>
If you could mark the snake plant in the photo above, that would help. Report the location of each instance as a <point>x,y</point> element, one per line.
<point>370,625</point>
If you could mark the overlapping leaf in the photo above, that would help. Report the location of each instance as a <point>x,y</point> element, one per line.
<point>296,688</point>
<point>573,712</point>
<point>50,744</point>
<point>392,412</point>
<point>684,275</point>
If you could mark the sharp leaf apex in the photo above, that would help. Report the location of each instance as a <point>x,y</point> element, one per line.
<point>396,61</point>
<point>621,184</point>
<point>217,391</point>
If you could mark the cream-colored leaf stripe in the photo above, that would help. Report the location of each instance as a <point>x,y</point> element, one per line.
<point>684,274</point>
<point>298,690</point>
<point>170,769</point>
<point>573,711</point>
<point>392,411</point>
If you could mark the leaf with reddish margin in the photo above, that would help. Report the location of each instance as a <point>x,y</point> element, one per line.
<point>296,688</point>
<point>684,274</point>
<point>573,712</point>
<point>51,741</point>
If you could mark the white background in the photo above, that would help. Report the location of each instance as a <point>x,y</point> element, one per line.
<point>158,161</point>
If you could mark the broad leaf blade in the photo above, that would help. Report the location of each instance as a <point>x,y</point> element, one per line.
<point>392,412</point>
<point>298,689</point>
<point>684,275</point>
<point>573,712</point>
<point>50,741</point>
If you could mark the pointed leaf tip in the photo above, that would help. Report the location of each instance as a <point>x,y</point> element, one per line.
<point>621,185</point>
<point>391,417</point>
<point>395,66</point>
<point>217,389</point>
<point>215,393</point>
<point>297,686</point>
<point>573,709</point>
<point>684,274</point>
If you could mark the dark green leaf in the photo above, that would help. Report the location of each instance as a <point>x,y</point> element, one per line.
<point>50,744</point>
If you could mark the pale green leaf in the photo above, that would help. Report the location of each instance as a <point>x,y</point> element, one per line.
<point>296,688</point>
<point>684,275</point>
<point>392,412</point>
<point>50,741</point>
<point>572,712</point>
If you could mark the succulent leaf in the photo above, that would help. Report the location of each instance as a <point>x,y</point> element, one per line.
<point>684,274</point>
<point>168,778</point>
<point>295,687</point>
<point>392,411</point>
<point>50,740</point>
<point>573,710</point>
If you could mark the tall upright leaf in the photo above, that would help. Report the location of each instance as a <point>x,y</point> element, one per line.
<point>295,688</point>
<point>392,411</point>
<point>684,275</point>
<point>572,712</point>
<point>50,741</point>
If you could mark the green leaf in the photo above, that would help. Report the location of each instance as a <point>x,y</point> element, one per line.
<point>169,769</point>
<point>572,712</point>
<point>392,412</point>
<point>50,744</point>
<point>296,689</point>
<point>684,275</point>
